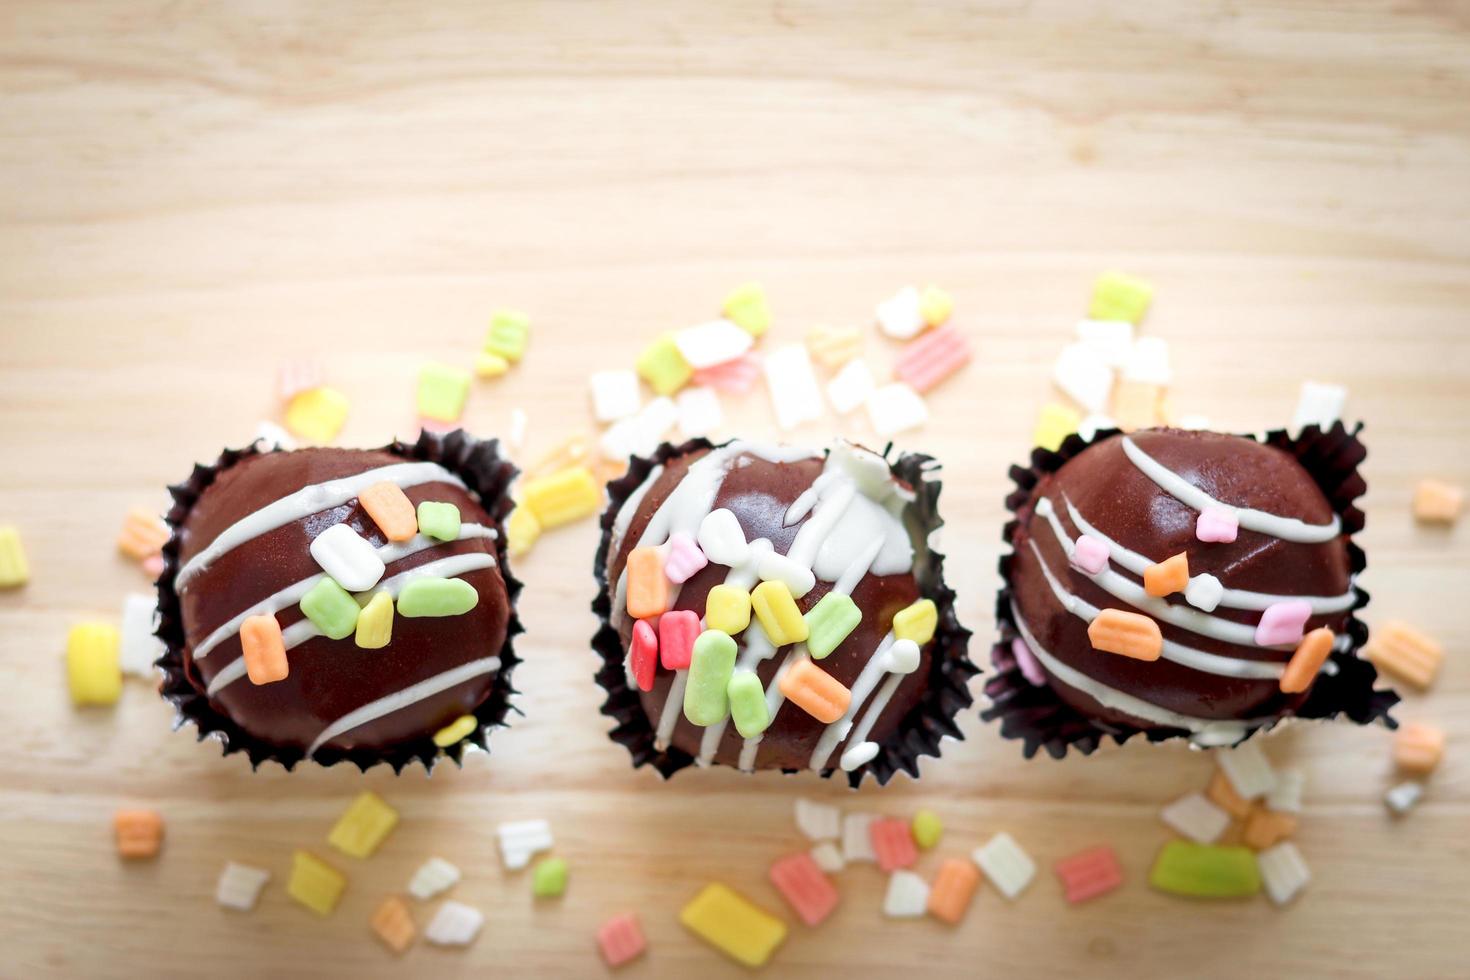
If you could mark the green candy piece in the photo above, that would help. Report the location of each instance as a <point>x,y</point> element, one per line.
<point>509,331</point>
<point>830,622</point>
<point>748,704</point>
<point>442,392</point>
<point>440,521</point>
<point>927,829</point>
<point>1205,870</point>
<point>331,608</point>
<point>706,691</point>
<point>437,597</point>
<point>549,878</point>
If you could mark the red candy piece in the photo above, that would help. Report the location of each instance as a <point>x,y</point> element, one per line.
<point>893,843</point>
<point>643,655</point>
<point>1090,873</point>
<point>932,358</point>
<point>677,632</point>
<point>806,889</point>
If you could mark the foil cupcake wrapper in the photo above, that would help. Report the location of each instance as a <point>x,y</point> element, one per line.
<point>920,733</point>
<point>1036,717</point>
<point>485,472</point>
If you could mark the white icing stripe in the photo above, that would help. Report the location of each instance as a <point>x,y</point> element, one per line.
<point>870,718</point>
<point>1207,730</point>
<point>1209,663</point>
<point>399,700</point>
<point>834,733</point>
<point>673,708</point>
<point>1285,528</point>
<point>857,570</point>
<point>1230,599</point>
<point>630,507</point>
<point>291,594</point>
<point>307,501</point>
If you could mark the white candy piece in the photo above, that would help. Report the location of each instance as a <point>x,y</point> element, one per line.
<point>828,857</point>
<point>274,437</point>
<point>818,821</point>
<point>1248,770</point>
<point>139,647</point>
<point>1404,797</point>
<point>1094,423</point>
<point>901,316</point>
<point>1148,362</point>
<point>1283,871</point>
<point>434,876</point>
<point>1110,340</point>
<point>907,896</point>
<point>615,395</point>
<point>455,924</point>
<point>1286,795</point>
<point>1196,818</point>
<point>1204,592</point>
<point>699,411</point>
<point>712,343</point>
<point>722,539</point>
<point>619,440</point>
<point>1009,868</point>
<point>896,408</point>
<point>1194,422</point>
<point>239,886</point>
<point>778,568</point>
<point>521,839</point>
<point>850,388</point>
<point>518,422</point>
<point>903,657</point>
<point>347,557</point>
<point>1084,376</point>
<point>857,845</point>
<point>1319,404</point>
<point>654,422</point>
<point>793,386</point>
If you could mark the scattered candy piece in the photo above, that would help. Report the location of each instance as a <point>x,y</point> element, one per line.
<point>727,609</point>
<point>139,833</point>
<point>748,708</point>
<point>1404,797</point>
<point>1283,872</point>
<point>1221,793</point>
<point>488,365</point>
<point>722,540</point>
<point>143,534</point>
<point>620,939</point>
<point>1009,868</point>
<point>347,557</point>
<point>1054,424</point>
<point>139,647</point>
<point>953,889</point>
<point>699,411</point>
<point>393,924</point>
<point>1136,405</point>
<point>677,632</point>
<point>434,876</point>
<point>832,347</point>
<point>1264,828</point>
<point>643,654</point>
<point>239,886</point>
<point>1204,592</point>
<point>436,520</point>
<point>663,367</point>
<point>816,692</point>
<point>1089,554</point>
<point>457,730</point>
<point>893,843</point>
<point>774,607</point>
<point>1168,576</point>
<point>317,415</point>
<point>1405,652</point>
<point>521,531</point>
<point>806,889</point>
<point>432,595</point>
<point>442,392</point>
<point>329,606</point>
<point>562,497</point>
<point>732,925</point>
<point>374,629</point>
<point>828,857</point>
<point>152,567</point>
<point>1283,622</point>
<point>797,578</point>
<point>518,423</point>
<point>363,826</point>
<point>916,621</point>
<point>896,408</point>
<point>294,377</point>
<point>1418,748</point>
<point>1217,525</point>
<point>857,843</point>
<point>648,587</point>
<point>1116,296</point>
<point>747,306</point>
<point>1248,770</point>
<point>510,331</point>
<point>1110,340</point>
<point>907,896</point>
<point>1205,870</point>
<point>901,316</point>
<point>932,358</point>
<point>682,558</point>
<point>794,392</point>
<point>455,924</point>
<point>1196,818</point>
<point>263,648</point>
<point>1308,659</point>
<point>712,343</point>
<point>614,394</point>
<point>935,304</point>
<point>1319,405</point>
<point>315,883</point>
<point>1148,362</point>
<point>549,878</point>
<point>13,568</point>
<point>1031,668</point>
<point>1128,634</point>
<point>1090,873</point>
<point>818,821</point>
<point>1084,376</point>
<point>735,377</point>
<point>1286,795</point>
<point>851,387</point>
<point>706,690</point>
<point>520,839</point>
<point>1437,502</point>
<point>829,622</point>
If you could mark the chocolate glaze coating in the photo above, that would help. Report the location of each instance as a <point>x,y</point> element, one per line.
<point>330,678</point>
<point>758,492</point>
<point>1122,502</point>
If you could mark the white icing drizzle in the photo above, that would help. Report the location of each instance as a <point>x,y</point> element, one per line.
<point>774,700</point>
<point>292,594</point>
<point>673,708</point>
<point>401,699</point>
<point>861,749</point>
<point>873,670</point>
<point>1285,528</point>
<point>625,513</point>
<point>305,502</point>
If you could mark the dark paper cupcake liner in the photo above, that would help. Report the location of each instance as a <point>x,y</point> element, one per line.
<point>1035,716</point>
<point>485,472</point>
<point>920,732</point>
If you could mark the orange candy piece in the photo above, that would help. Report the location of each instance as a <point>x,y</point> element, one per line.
<point>1309,657</point>
<point>648,586</point>
<point>264,650</point>
<point>391,510</point>
<point>1405,652</point>
<point>1267,828</point>
<point>1222,793</point>
<point>143,534</point>
<point>139,832</point>
<point>394,924</point>
<point>816,692</point>
<point>953,888</point>
<point>1167,577</point>
<point>1127,634</point>
<point>1437,502</point>
<point>1417,748</point>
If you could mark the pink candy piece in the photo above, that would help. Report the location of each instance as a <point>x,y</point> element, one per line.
<point>643,654</point>
<point>294,377</point>
<point>621,939</point>
<point>1283,623</point>
<point>737,376</point>
<point>1216,524</point>
<point>893,843</point>
<point>1026,660</point>
<point>677,632</point>
<point>1090,555</point>
<point>1089,873</point>
<point>806,889</point>
<point>932,358</point>
<point>436,426</point>
<point>153,566</point>
<point>682,558</point>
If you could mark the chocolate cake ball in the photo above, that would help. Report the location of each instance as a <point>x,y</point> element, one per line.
<point>850,655</point>
<point>1176,581</point>
<point>311,616</point>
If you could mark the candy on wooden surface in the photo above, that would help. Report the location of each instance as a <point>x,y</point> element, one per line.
<point>1084,376</point>
<point>1168,576</point>
<point>707,685</point>
<point>620,939</point>
<point>457,730</point>
<point>907,896</point>
<point>549,878</point>
<point>1404,652</point>
<point>722,539</point>
<point>432,595</point>
<point>795,395</point>
<point>393,924</point>
<point>1009,868</point>
<point>828,857</point>
<point>264,650</point>
<point>1318,404</point>
<point>805,887</point>
<point>699,411</point>
<point>317,415</point>
<point>935,305</point>
<point>747,306</point>
<point>1404,797</point>
<point>315,883</point>
<point>815,691</point>
<point>893,843</point>
<point>434,876</point>
<point>1205,870</point>
<point>1264,827</point>
<point>832,347</point>
<point>521,530</point>
<point>1248,770</point>
<point>389,507</point>
<point>330,607</point>
<point>916,621</point>
<point>138,647</point>
<point>850,388</point>
<point>857,843</point>
<point>1221,792</point>
<point>363,826</point>
<point>648,587</point>
<point>442,391</point>
<point>896,408</point>
<point>818,821</point>
<point>1089,554</point>
<point>798,578</point>
<point>1090,873</point>
<point>715,342</point>
<point>142,535</point>
<point>927,828</point>
<point>748,708</point>
<point>779,616</point>
<point>1116,296</point>
<point>139,833</point>
<point>437,520</point>
<point>1283,623</point>
<point>829,622</point>
<point>572,451</point>
<point>1109,340</point>
<point>1094,423</point>
<point>1128,634</point>
<point>1196,818</point>
<point>561,497</point>
<point>239,886</point>
<point>1438,502</point>
<point>954,887</point>
<point>152,567</point>
<point>1418,748</point>
<point>925,362</point>
<point>488,365</point>
<point>1204,592</point>
<point>1053,424</point>
<point>14,570</point>
<point>734,926</point>
<point>1285,795</point>
<point>1283,872</point>
<point>520,839</point>
<point>901,316</point>
<point>454,924</point>
<point>1136,405</point>
<point>1308,659</point>
<point>727,609</point>
<point>614,394</point>
<point>510,331</point>
<point>682,558</point>
<point>1148,362</point>
<point>347,557</point>
<point>735,377</point>
<point>1217,525</point>
<point>662,366</point>
<point>298,375</point>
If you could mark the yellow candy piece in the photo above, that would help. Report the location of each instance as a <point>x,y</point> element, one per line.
<point>747,306</point>
<point>663,367</point>
<point>363,826</point>
<point>778,613</point>
<point>562,497</point>
<point>1119,297</point>
<point>727,609</point>
<point>488,365</point>
<point>832,347</point>
<point>521,531</point>
<point>916,622</point>
<point>455,731</point>
<point>317,415</point>
<point>93,665</point>
<point>375,622</point>
<point>315,883</point>
<point>13,568</point>
<point>936,305</point>
<point>733,925</point>
<point>1055,423</point>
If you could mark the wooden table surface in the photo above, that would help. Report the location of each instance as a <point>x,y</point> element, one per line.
<point>191,193</point>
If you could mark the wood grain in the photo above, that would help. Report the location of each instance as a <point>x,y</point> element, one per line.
<point>191,192</point>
